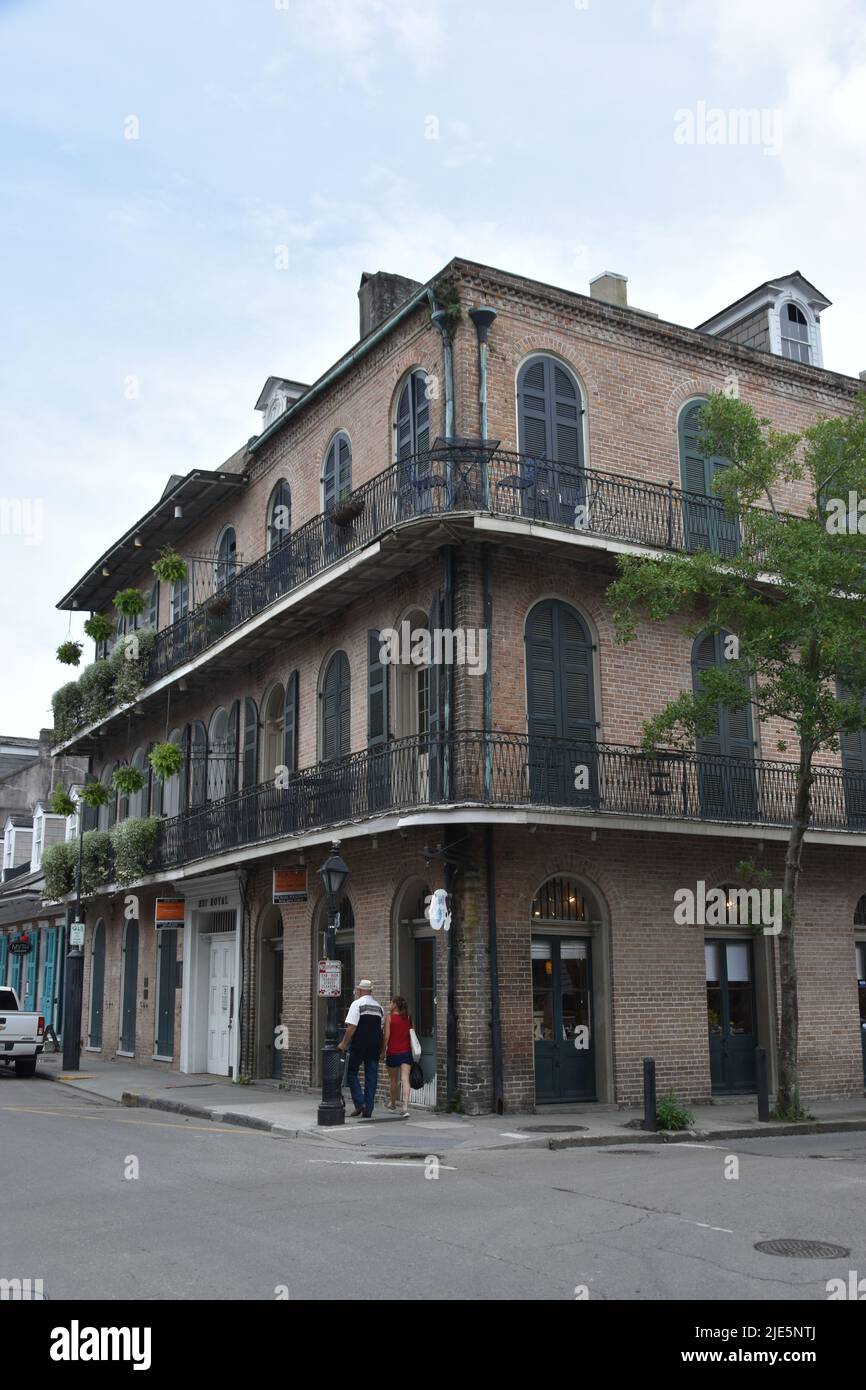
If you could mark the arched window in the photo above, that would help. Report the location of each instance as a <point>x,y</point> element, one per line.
<point>197,756</point>
<point>273,724</point>
<point>412,421</point>
<point>217,754</point>
<point>226,558</point>
<point>279,514</point>
<point>337,472</point>
<point>795,334</point>
<point>705,523</point>
<point>560,699</point>
<point>727,791</point>
<point>335,697</point>
<point>550,435</point>
<point>172,787</point>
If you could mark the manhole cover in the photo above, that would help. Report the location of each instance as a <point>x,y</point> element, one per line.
<point>803,1249</point>
<point>552,1129</point>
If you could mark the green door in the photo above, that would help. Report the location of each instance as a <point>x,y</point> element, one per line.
<point>562,1019</point>
<point>861,990</point>
<point>424,1014</point>
<point>130,987</point>
<point>97,985</point>
<point>277,1013</point>
<point>731,1015</point>
<point>166,989</point>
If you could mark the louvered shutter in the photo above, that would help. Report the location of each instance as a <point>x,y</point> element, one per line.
<point>290,724</point>
<point>532,409</point>
<point>330,478</point>
<point>853,750</point>
<point>435,693</point>
<point>422,413</point>
<point>344,467</point>
<point>232,742</point>
<point>565,413</point>
<point>724,791</point>
<point>336,697</point>
<point>377,692</point>
<point>578,696</point>
<point>560,705</point>
<point>153,611</point>
<point>251,743</point>
<point>404,422</point>
<point>542,673</point>
<point>154,786</point>
<point>197,744</point>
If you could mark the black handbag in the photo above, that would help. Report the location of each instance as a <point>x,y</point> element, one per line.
<point>416,1076</point>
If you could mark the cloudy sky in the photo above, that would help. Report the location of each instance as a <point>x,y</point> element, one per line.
<point>145,299</point>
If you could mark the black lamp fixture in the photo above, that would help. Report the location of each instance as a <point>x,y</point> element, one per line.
<point>332,1110</point>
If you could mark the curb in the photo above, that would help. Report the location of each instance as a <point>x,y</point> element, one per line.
<point>200,1112</point>
<point>689,1136</point>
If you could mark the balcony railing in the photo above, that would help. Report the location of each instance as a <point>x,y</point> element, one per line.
<point>443,482</point>
<point>510,770</point>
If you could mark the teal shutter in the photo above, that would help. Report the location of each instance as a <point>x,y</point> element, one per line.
<point>31,970</point>
<point>4,956</point>
<point>49,974</point>
<point>290,724</point>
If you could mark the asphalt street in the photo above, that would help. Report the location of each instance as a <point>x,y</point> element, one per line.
<point>111,1203</point>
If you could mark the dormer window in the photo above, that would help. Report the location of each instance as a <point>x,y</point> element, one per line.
<point>275,410</point>
<point>795,334</point>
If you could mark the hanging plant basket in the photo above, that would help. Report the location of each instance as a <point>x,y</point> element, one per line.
<point>127,780</point>
<point>169,567</point>
<point>98,628</point>
<point>69,653</point>
<point>61,803</point>
<point>129,602</point>
<point>166,759</point>
<point>218,605</point>
<point>95,794</point>
<point>345,512</point>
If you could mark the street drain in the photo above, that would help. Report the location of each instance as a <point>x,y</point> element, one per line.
<point>803,1249</point>
<point>635,1153</point>
<point>552,1129</point>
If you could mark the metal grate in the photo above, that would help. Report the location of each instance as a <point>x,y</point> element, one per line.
<point>803,1249</point>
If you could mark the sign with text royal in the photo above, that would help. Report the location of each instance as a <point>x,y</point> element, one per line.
<point>169,912</point>
<point>290,885</point>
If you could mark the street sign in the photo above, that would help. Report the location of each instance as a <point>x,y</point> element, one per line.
<point>290,885</point>
<point>21,946</point>
<point>330,979</point>
<point>76,933</point>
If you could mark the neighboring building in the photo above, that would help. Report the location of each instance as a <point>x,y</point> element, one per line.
<point>28,775</point>
<point>350,516</point>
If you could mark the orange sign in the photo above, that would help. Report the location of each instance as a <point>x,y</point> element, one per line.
<point>169,912</point>
<point>290,885</point>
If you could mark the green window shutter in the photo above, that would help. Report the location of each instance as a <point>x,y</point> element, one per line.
<point>337,477</point>
<point>404,422</point>
<point>251,742</point>
<point>153,611</point>
<point>336,701</point>
<point>290,724</point>
<point>232,741</point>
<point>734,734</point>
<point>559,673</point>
<point>377,692</point>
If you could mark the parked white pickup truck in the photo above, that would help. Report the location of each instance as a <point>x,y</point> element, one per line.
<point>22,1036</point>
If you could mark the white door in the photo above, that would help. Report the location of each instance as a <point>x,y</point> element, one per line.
<point>221,993</point>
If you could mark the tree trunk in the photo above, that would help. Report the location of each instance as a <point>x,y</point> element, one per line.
<point>788,1093</point>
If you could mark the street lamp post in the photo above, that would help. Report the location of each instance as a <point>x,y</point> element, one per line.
<point>332,1110</point>
<point>74,973</point>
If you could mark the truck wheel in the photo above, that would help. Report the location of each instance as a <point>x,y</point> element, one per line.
<point>25,1066</point>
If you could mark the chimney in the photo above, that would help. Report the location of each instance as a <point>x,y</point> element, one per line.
<point>379,295</point>
<point>610,287</point>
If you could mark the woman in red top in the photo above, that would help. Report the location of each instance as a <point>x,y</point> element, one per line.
<point>398,1051</point>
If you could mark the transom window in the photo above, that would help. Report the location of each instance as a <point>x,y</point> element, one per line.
<point>564,900</point>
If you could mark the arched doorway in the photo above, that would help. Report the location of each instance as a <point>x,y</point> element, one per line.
<point>565,919</point>
<point>269,1057</point>
<point>129,987</point>
<point>413,974</point>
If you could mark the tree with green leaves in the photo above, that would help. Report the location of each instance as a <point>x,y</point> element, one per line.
<point>794,598</point>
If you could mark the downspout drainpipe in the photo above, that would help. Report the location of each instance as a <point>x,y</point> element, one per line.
<point>483,318</point>
<point>448,555</point>
<point>495,1018</point>
<point>439,318</point>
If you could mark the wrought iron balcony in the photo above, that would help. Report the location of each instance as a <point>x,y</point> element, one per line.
<point>440,482</point>
<point>510,771</point>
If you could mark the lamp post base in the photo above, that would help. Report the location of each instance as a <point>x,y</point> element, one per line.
<point>332,1109</point>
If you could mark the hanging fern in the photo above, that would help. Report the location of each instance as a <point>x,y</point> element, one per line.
<point>70,653</point>
<point>129,602</point>
<point>99,628</point>
<point>127,780</point>
<point>95,794</point>
<point>166,759</point>
<point>170,567</point>
<point>61,803</point>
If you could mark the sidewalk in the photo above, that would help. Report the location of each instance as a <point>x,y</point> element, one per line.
<point>292,1114</point>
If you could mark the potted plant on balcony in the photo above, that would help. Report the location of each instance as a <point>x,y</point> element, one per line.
<point>169,567</point>
<point>67,707</point>
<point>346,510</point>
<point>99,628</point>
<point>166,759</point>
<point>127,780</point>
<point>218,604</point>
<point>58,870</point>
<point>69,653</point>
<point>129,602</point>
<point>133,843</point>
